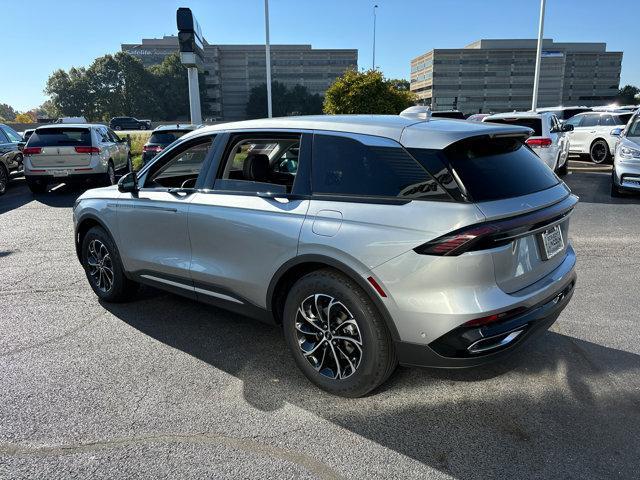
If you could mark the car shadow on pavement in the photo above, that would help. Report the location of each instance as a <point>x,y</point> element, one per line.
<point>58,196</point>
<point>557,408</point>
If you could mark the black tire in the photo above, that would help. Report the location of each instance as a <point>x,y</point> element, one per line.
<point>4,179</point>
<point>143,127</point>
<point>121,288</point>
<point>564,169</point>
<point>36,186</point>
<point>110,176</point>
<point>599,151</point>
<point>373,363</point>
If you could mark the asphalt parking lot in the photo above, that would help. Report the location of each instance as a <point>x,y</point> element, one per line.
<point>165,387</point>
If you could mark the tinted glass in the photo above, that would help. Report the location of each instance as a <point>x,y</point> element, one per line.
<point>456,115</point>
<point>60,137</point>
<point>590,121</point>
<point>575,121</point>
<point>622,119</point>
<point>534,124</point>
<point>499,168</point>
<point>27,135</point>
<point>344,166</point>
<point>166,137</point>
<point>3,137</point>
<point>570,112</point>
<point>606,121</point>
<point>12,134</point>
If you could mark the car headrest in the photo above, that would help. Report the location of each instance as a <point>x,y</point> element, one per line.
<point>256,167</point>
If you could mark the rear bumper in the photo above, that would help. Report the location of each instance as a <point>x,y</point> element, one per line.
<point>45,179</point>
<point>467,347</point>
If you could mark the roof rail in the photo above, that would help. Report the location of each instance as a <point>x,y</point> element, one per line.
<point>418,112</point>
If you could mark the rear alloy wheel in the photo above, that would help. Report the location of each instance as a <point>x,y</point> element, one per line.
<point>599,152</point>
<point>337,335</point>
<point>4,179</point>
<point>117,128</point>
<point>103,267</point>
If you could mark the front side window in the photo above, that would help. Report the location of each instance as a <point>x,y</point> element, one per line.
<point>576,121</point>
<point>606,121</point>
<point>264,164</point>
<point>346,166</point>
<point>181,169</point>
<point>622,119</point>
<point>590,121</point>
<point>634,127</point>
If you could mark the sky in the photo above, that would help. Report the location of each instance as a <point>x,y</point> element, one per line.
<point>40,36</point>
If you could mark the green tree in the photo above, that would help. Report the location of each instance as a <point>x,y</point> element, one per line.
<point>171,88</point>
<point>366,92</point>
<point>7,112</point>
<point>70,93</point>
<point>400,84</point>
<point>628,95</point>
<point>285,101</point>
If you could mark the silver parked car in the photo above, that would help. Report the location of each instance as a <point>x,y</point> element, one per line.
<point>373,240</point>
<point>74,153</point>
<point>626,160</point>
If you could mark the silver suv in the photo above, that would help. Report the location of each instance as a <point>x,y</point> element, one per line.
<point>74,153</point>
<point>372,240</point>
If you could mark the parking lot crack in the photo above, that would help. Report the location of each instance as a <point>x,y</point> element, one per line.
<point>312,465</point>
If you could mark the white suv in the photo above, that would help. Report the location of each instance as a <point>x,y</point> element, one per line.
<point>72,153</point>
<point>591,133</point>
<point>548,141</point>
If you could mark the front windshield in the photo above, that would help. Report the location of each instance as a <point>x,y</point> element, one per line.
<point>634,127</point>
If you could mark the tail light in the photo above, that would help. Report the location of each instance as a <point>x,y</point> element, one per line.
<point>87,149</point>
<point>482,236</point>
<point>152,148</point>
<point>539,142</point>
<point>32,150</point>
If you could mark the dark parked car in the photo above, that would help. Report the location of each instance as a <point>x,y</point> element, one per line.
<point>129,123</point>
<point>11,144</point>
<point>455,114</point>
<point>162,137</point>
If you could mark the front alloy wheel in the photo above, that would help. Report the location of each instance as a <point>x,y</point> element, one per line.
<point>4,179</point>
<point>328,336</point>
<point>100,266</point>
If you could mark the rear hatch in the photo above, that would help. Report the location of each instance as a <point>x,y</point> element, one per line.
<point>523,199</point>
<point>60,147</point>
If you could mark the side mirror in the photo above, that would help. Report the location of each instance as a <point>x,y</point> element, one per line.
<point>617,132</point>
<point>566,127</point>
<point>21,145</point>
<point>128,183</point>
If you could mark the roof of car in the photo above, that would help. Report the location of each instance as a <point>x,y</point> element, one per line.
<point>70,125</point>
<point>177,126</point>
<point>435,133</point>
<point>529,114</point>
<point>562,107</point>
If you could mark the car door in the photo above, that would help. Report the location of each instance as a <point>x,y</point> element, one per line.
<point>578,135</point>
<point>9,140</point>
<point>108,146</point>
<point>246,224</point>
<point>122,148</point>
<point>152,222</point>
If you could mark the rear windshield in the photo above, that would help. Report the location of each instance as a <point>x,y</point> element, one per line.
<point>166,137</point>
<point>458,115</point>
<point>534,124</point>
<point>498,168</point>
<point>60,137</point>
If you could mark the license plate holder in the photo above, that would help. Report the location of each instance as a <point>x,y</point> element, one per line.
<point>551,242</point>
<point>61,173</point>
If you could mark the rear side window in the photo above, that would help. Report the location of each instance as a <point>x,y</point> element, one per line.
<point>60,137</point>
<point>494,169</point>
<point>534,124</point>
<point>623,119</point>
<point>166,137</point>
<point>345,166</point>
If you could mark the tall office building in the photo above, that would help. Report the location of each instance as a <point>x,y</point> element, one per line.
<point>231,71</point>
<point>497,75</point>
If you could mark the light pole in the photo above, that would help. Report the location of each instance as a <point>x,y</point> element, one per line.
<point>536,75</point>
<point>268,59</point>
<point>375,8</point>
